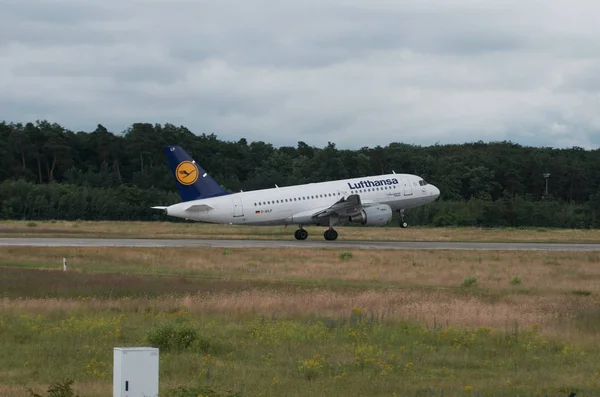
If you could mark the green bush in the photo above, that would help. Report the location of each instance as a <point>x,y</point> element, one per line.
<point>469,281</point>
<point>581,292</point>
<point>57,389</point>
<point>171,336</point>
<point>346,255</point>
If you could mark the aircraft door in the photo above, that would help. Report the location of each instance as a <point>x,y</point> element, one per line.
<point>238,209</point>
<point>407,187</point>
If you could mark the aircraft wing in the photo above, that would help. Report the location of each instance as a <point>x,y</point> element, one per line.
<point>344,207</point>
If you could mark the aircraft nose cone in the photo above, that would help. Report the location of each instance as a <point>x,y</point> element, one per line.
<point>434,191</point>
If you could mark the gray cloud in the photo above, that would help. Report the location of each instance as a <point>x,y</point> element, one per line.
<point>359,73</point>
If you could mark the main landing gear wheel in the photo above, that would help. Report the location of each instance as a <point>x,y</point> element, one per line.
<point>330,235</point>
<point>301,234</point>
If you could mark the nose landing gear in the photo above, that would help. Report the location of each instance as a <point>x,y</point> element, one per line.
<point>402,222</point>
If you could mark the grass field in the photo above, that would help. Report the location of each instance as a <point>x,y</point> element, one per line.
<point>207,231</point>
<point>295,322</point>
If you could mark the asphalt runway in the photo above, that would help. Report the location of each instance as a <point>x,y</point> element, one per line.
<point>386,245</point>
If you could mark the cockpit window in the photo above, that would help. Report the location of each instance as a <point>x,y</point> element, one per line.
<point>422,182</point>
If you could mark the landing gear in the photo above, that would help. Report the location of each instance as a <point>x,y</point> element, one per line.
<point>330,234</point>
<point>403,224</point>
<point>301,234</point>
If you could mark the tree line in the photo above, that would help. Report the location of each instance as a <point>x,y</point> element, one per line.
<point>50,172</point>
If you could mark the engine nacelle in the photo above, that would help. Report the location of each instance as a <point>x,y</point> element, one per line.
<point>375,215</point>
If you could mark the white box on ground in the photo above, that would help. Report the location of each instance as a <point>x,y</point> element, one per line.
<point>135,372</point>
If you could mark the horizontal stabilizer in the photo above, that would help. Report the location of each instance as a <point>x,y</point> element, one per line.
<point>199,207</point>
<point>159,208</point>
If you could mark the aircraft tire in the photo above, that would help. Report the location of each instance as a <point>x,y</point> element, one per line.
<point>330,235</point>
<point>300,234</point>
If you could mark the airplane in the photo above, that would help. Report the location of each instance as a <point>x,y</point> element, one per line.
<point>368,201</point>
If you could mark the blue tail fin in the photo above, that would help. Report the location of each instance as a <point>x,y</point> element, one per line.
<point>192,181</point>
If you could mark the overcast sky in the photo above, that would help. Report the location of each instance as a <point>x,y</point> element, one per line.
<point>358,73</point>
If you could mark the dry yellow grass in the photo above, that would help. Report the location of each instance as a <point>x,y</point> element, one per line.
<point>207,231</point>
<point>554,314</point>
<point>546,272</point>
<point>302,284</point>
<point>420,285</point>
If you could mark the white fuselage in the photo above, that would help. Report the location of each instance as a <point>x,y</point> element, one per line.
<point>297,204</point>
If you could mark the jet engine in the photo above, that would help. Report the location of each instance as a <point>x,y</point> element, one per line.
<point>375,215</point>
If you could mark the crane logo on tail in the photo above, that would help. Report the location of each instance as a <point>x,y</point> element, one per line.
<point>186,173</point>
